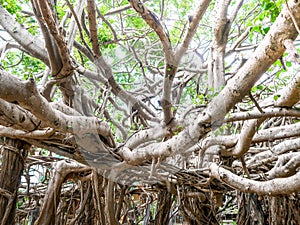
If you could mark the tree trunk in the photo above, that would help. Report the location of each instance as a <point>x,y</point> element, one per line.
<point>284,210</point>
<point>199,210</point>
<point>164,204</point>
<point>14,153</point>
<point>250,210</point>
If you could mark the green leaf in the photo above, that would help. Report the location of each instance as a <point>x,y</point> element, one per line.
<point>276,97</point>
<point>288,64</point>
<point>268,5</point>
<point>266,30</point>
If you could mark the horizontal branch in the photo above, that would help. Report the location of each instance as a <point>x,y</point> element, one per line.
<point>66,152</point>
<point>271,134</point>
<point>275,133</point>
<point>273,187</point>
<point>281,148</point>
<point>144,136</point>
<point>37,134</point>
<point>13,116</point>
<point>267,113</point>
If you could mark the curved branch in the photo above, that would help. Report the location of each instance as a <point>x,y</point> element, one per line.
<point>60,172</point>
<point>153,21</point>
<point>269,50</point>
<point>271,187</point>
<point>291,94</point>
<point>284,146</point>
<point>273,112</point>
<point>265,55</point>
<point>52,50</point>
<point>289,97</point>
<point>286,165</point>
<point>26,95</point>
<point>67,68</point>
<point>145,136</point>
<point>246,137</point>
<point>171,65</point>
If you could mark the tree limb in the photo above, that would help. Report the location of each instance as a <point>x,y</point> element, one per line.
<point>33,45</point>
<point>271,187</point>
<point>27,96</point>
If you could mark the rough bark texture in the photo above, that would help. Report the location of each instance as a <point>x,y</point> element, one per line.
<point>199,210</point>
<point>164,203</point>
<point>14,154</point>
<point>250,210</point>
<point>284,210</point>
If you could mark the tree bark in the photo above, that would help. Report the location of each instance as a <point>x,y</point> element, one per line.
<point>250,210</point>
<point>199,210</point>
<point>14,153</point>
<point>164,203</point>
<point>284,210</point>
<point>61,170</point>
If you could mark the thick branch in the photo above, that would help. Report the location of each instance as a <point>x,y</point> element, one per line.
<point>52,50</point>
<point>291,94</point>
<point>286,165</point>
<point>287,131</point>
<point>245,139</point>
<point>32,45</point>
<point>67,68</point>
<point>271,187</point>
<point>91,8</point>
<point>222,24</point>
<point>171,66</point>
<point>145,136</point>
<point>14,116</point>
<point>270,49</point>
<point>265,55</point>
<point>282,147</point>
<point>27,96</point>
<point>275,112</point>
<point>37,134</point>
